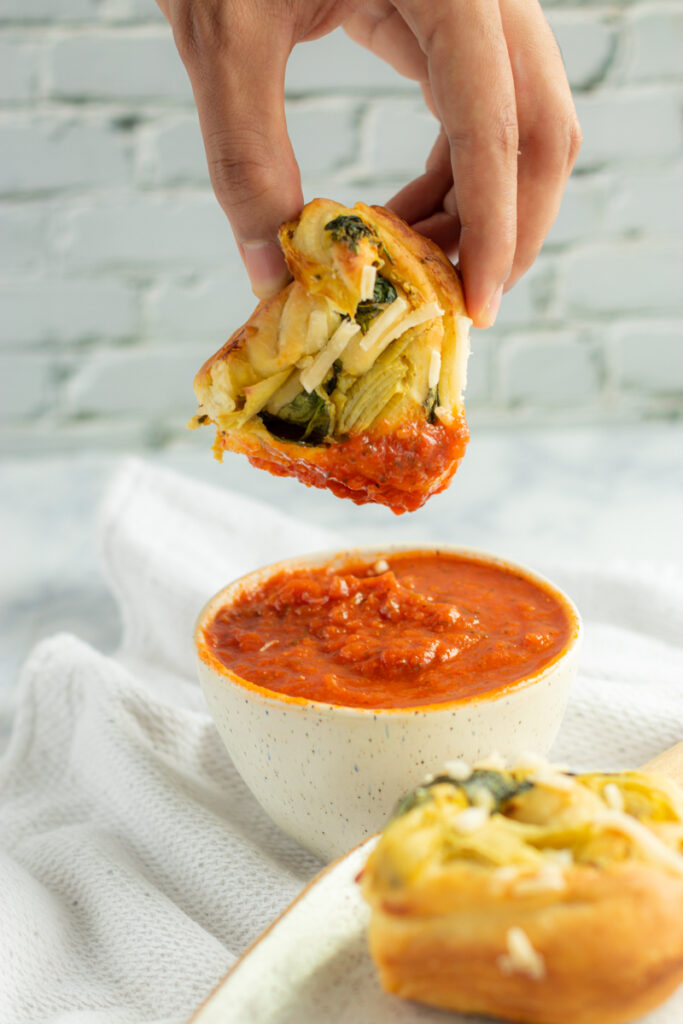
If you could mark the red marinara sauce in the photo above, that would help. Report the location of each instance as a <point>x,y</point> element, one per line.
<point>397,465</point>
<point>419,628</point>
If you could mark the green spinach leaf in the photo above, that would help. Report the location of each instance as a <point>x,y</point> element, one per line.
<point>349,229</point>
<point>431,401</point>
<point>305,420</point>
<point>367,310</point>
<point>501,786</point>
<point>384,290</point>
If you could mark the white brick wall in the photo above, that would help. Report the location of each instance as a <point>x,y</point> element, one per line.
<point>57,311</point>
<point>118,65</point>
<point>49,153</point>
<point>119,275</point>
<point>550,370</point>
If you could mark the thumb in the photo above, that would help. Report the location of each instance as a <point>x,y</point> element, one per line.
<point>237,77</point>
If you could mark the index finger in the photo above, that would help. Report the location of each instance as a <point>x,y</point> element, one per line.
<point>473,89</point>
<point>236,65</point>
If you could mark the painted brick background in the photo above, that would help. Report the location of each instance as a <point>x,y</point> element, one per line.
<point>119,276</point>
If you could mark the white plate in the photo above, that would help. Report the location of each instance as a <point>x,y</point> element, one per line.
<point>312,966</point>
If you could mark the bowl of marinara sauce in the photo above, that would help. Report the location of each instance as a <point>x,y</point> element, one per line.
<point>338,681</point>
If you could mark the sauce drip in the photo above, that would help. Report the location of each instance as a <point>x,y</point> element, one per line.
<point>397,466</point>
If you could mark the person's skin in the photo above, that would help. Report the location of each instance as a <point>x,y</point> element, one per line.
<point>490,71</point>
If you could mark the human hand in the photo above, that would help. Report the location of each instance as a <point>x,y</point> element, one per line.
<point>491,73</point>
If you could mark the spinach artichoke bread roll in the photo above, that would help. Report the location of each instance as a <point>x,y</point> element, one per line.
<point>352,376</point>
<point>531,894</point>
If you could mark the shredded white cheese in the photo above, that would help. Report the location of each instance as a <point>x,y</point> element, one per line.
<point>458,769</point>
<point>380,566</point>
<point>565,858</point>
<point>552,779</point>
<point>647,841</point>
<point>613,796</point>
<point>470,820</point>
<point>521,957</point>
<point>434,368</point>
<point>386,319</point>
<point>548,878</point>
<point>367,282</point>
<point>317,331</point>
<point>314,374</point>
<point>454,357</point>
<point>391,331</point>
<point>494,762</point>
<point>462,332</point>
<point>483,798</point>
<point>529,760</point>
<point>362,354</point>
<point>286,394</point>
<point>506,873</point>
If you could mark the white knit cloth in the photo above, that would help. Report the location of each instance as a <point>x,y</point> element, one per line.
<point>134,864</point>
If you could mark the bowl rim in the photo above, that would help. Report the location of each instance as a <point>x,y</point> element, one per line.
<point>339,556</point>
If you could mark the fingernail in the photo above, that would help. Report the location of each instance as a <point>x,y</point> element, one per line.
<point>266,267</point>
<point>491,312</point>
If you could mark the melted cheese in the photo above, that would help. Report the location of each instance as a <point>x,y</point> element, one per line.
<point>453,377</point>
<point>650,844</point>
<point>385,328</point>
<point>317,331</point>
<point>386,319</point>
<point>434,369</point>
<point>367,282</point>
<point>314,374</point>
<point>521,957</point>
<point>470,820</point>
<point>284,395</point>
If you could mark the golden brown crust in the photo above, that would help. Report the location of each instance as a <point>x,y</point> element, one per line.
<point>417,259</point>
<point>320,265</point>
<point>265,317</point>
<point>611,946</point>
<point>593,935</point>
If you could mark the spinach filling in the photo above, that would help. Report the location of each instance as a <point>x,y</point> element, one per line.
<point>349,229</point>
<point>430,403</point>
<point>367,310</point>
<point>501,787</point>
<point>306,419</point>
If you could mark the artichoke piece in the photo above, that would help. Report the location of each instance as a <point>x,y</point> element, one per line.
<point>374,390</point>
<point>255,397</point>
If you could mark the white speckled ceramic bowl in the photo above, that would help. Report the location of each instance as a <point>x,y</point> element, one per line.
<point>331,775</point>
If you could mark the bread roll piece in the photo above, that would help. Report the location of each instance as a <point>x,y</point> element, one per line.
<point>352,377</point>
<point>532,895</point>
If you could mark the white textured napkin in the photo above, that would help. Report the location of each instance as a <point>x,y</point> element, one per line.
<point>134,864</point>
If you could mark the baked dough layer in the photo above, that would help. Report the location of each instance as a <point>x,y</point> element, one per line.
<point>352,377</point>
<point>561,903</point>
